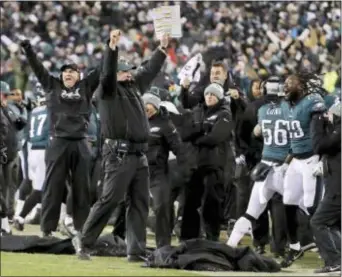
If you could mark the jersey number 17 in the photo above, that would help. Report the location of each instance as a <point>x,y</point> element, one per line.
<point>37,123</point>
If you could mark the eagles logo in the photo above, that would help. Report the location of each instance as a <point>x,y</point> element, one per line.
<point>71,95</point>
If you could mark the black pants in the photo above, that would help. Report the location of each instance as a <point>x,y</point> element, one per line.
<point>325,225</point>
<point>304,232</point>
<point>95,178</point>
<point>204,196</point>
<point>161,205</point>
<point>10,172</point>
<point>65,158</point>
<point>160,192</point>
<point>31,201</point>
<point>25,187</point>
<point>119,223</point>
<point>244,186</point>
<point>123,176</point>
<point>177,183</point>
<point>3,189</point>
<point>229,204</point>
<point>279,226</point>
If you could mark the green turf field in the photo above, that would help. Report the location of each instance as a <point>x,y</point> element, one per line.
<point>52,265</point>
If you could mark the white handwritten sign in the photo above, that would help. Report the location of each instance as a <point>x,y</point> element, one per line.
<point>166,19</point>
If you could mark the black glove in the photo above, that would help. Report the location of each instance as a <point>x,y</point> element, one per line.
<point>20,123</point>
<point>29,104</point>
<point>207,126</point>
<point>25,43</point>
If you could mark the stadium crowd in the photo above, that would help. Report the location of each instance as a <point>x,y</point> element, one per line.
<point>258,39</point>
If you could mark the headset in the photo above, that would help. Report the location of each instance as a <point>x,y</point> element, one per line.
<point>273,86</point>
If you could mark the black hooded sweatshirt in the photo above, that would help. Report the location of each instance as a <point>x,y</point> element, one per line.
<point>121,108</point>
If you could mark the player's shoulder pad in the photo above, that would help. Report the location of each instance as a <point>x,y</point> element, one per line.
<point>330,100</point>
<point>314,97</point>
<point>315,103</point>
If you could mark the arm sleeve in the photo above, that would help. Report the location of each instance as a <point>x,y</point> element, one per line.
<point>190,99</point>
<point>3,128</point>
<point>244,131</point>
<point>39,70</point>
<point>191,128</point>
<point>93,80</point>
<point>145,77</point>
<point>220,132</point>
<point>173,139</point>
<point>323,142</point>
<point>108,75</point>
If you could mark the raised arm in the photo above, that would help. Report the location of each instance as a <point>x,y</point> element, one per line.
<point>108,78</point>
<point>109,67</point>
<point>44,77</point>
<point>149,72</point>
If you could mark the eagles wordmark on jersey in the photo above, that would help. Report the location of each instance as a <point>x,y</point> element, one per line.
<point>274,128</point>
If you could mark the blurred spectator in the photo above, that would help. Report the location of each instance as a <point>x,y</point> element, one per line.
<point>257,39</point>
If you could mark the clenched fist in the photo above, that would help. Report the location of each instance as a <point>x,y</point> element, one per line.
<point>114,38</point>
<point>257,131</point>
<point>234,93</point>
<point>185,83</point>
<point>25,43</point>
<point>164,41</point>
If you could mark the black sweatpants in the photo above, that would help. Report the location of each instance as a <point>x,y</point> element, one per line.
<point>326,229</point>
<point>129,176</point>
<point>204,195</point>
<point>63,157</point>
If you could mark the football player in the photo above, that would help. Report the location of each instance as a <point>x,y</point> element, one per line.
<point>38,141</point>
<point>269,173</point>
<point>301,185</point>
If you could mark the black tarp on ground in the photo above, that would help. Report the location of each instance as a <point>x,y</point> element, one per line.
<point>106,245</point>
<point>195,254</point>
